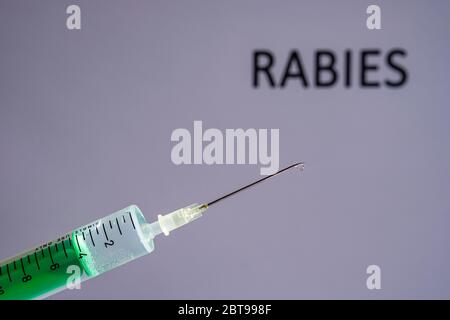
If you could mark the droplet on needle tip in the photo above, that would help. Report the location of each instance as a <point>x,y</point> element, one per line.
<point>300,165</point>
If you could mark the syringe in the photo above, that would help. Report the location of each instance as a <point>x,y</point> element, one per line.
<point>93,249</point>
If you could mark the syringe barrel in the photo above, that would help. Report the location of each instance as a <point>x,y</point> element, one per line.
<point>83,253</point>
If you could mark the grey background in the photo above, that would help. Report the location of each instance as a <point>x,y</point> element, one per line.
<point>86,118</point>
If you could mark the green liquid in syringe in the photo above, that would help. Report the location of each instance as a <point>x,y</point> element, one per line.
<point>84,253</point>
<point>38,272</point>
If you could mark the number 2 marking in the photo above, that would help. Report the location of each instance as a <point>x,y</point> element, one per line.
<point>109,243</point>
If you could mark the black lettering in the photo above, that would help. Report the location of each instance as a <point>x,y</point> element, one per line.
<point>325,67</point>
<point>294,61</point>
<point>400,69</point>
<point>262,68</point>
<point>348,68</point>
<point>366,67</point>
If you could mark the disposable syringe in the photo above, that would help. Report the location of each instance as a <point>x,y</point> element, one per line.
<point>93,249</point>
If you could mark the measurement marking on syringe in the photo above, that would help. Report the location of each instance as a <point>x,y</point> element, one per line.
<point>9,275</point>
<point>117,221</point>
<point>28,258</point>
<point>37,262</point>
<point>83,235</point>
<point>14,263</point>
<point>124,219</point>
<point>104,230</point>
<point>96,229</point>
<point>42,252</point>
<point>110,224</point>
<point>23,268</point>
<point>132,222</point>
<point>56,247</point>
<point>64,248</point>
<point>92,239</point>
<point>0,271</point>
<point>51,257</point>
<point>78,244</point>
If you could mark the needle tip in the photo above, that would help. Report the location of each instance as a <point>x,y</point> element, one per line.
<point>300,165</point>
